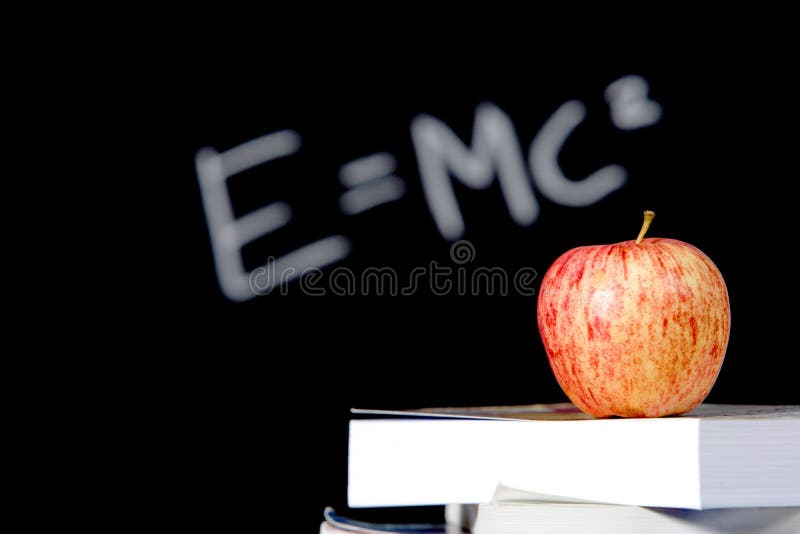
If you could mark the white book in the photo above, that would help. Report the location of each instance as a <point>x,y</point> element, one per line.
<point>580,518</point>
<point>718,456</point>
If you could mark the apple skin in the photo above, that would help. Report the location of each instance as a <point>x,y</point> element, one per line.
<point>635,330</point>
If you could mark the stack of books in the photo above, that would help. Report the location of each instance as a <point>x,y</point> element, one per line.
<point>550,468</point>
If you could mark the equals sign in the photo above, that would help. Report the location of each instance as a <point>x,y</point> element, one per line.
<point>370,182</point>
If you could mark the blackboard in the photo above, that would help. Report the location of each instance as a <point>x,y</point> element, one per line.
<point>259,378</point>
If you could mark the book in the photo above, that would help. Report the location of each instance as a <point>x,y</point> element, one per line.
<point>579,518</point>
<point>334,523</point>
<point>717,456</point>
<point>525,517</point>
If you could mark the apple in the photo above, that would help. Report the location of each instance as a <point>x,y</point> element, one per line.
<point>637,328</point>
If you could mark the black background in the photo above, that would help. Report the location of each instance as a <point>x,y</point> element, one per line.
<point>254,397</point>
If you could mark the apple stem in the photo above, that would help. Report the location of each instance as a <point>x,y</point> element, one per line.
<point>648,218</point>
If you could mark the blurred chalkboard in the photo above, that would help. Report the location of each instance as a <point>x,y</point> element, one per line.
<point>253,384</point>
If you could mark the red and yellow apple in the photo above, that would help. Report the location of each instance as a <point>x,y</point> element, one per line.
<point>635,329</point>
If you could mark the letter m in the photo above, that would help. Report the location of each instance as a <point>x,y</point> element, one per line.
<point>494,152</point>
